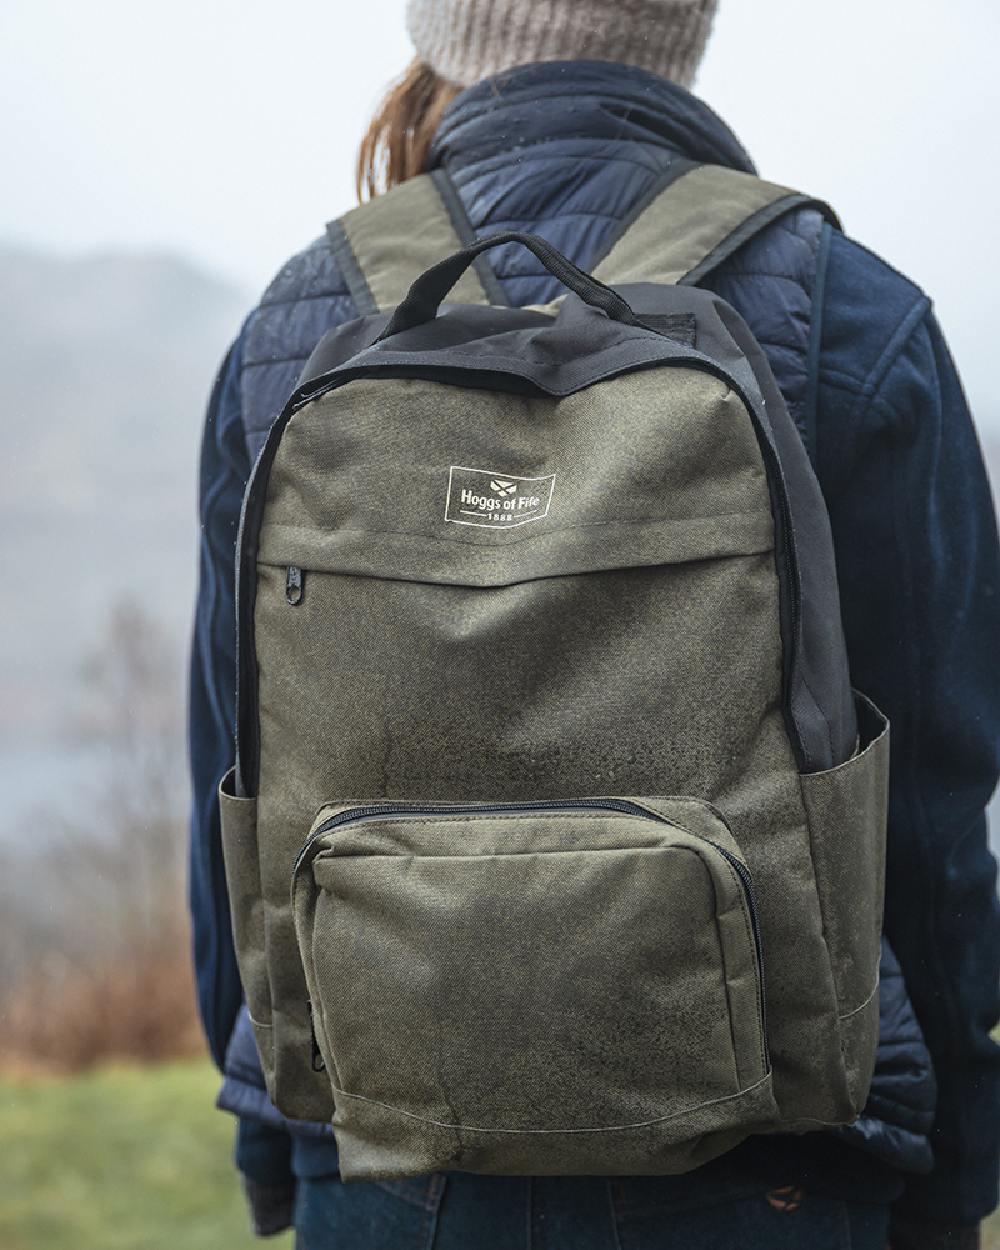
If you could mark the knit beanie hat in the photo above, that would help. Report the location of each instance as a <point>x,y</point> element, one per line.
<point>467,40</point>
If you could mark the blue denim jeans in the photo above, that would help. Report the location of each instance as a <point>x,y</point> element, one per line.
<point>462,1212</point>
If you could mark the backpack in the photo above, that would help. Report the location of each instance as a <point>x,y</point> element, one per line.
<point>555,841</point>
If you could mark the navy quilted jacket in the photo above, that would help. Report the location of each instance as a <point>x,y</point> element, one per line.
<point>566,150</point>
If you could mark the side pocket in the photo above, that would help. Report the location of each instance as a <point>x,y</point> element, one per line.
<point>846,808</point>
<point>246,905</point>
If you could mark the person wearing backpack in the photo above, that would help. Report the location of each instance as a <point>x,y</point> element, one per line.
<point>569,128</point>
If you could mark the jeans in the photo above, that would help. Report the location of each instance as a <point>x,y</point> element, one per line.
<point>464,1212</point>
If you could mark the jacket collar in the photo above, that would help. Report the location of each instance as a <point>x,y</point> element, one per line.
<point>586,101</point>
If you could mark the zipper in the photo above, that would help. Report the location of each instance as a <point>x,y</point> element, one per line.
<point>294,585</point>
<point>381,811</point>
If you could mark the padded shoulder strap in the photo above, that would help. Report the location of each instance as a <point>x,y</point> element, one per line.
<point>382,245</point>
<point>699,218</point>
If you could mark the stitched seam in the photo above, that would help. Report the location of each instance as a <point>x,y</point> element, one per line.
<point>821,909</point>
<point>758,970</point>
<point>616,1239</point>
<point>911,793</point>
<point>830,772</point>
<point>284,301</point>
<point>572,816</point>
<point>891,353</point>
<point>312,978</point>
<point>722,961</point>
<point>657,360</point>
<point>582,525</point>
<point>566,214</point>
<point>607,1128</point>
<point>814,343</point>
<point>502,159</point>
<point>861,1006</point>
<point>783,345</point>
<point>432,1208</point>
<point>653,798</point>
<point>838,380</point>
<point>277,360</point>
<point>888,409</point>
<point>845,1236</point>
<point>638,1208</point>
<point>471,817</point>
<point>646,363</point>
<point>822,714</point>
<point>317,1000</point>
<point>762,273</point>
<point>420,1201</point>
<point>330,852</point>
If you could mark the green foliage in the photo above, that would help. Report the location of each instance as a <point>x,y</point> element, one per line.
<point>130,1159</point>
<point>121,1159</point>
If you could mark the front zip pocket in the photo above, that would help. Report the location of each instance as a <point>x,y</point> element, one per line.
<point>548,987</point>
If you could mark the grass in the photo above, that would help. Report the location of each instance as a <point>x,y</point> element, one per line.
<point>120,1159</point>
<point>130,1159</point>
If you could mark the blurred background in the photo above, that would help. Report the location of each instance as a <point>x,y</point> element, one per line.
<point>159,162</point>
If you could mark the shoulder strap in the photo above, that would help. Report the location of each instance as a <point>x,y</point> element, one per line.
<point>694,222</point>
<point>383,245</point>
<point>693,219</point>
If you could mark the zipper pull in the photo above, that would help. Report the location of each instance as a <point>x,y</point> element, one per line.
<point>294,585</point>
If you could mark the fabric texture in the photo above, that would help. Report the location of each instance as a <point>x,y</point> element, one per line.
<point>593,690</point>
<point>570,1213</point>
<point>466,41</point>
<point>926,1235</point>
<point>568,150</point>
<point>271,1207</point>
<point>262,1155</point>
<point>596,1081</point>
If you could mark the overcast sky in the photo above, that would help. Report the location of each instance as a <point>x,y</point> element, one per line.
<point>225,129</point>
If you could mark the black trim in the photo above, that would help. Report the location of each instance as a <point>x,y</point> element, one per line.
<point>808,430</point>
<point>491,284</point>
<point>351,271</point>
<point>751,226</point>
<point>333,350</point>
<point>817,702</point>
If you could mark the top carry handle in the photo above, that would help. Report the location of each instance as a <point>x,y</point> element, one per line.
<point>431,289</point>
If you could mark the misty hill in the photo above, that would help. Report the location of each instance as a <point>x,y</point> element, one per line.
<point>106,362</point>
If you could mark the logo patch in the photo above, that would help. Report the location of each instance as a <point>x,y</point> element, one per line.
<point>497,500</point>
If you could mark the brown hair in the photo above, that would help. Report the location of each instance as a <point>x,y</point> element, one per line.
<point>397,141</point>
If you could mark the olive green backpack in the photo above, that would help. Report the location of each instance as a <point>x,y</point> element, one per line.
<point>555,841</point>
